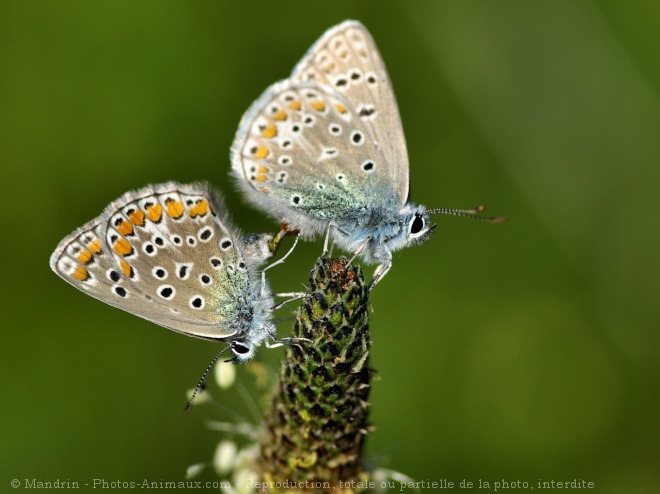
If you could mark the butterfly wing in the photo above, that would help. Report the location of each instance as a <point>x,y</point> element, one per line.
<point>326,144</point>
<point>167,253</point>
<point>346,58</point>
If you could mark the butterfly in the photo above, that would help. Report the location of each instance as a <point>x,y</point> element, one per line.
<point>170,254</point>
<point>324,151</point>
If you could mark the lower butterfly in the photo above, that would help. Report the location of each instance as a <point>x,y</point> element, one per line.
<point>169,253</point>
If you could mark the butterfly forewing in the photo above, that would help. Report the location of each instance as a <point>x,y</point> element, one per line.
<point>166,253</point>
<point>347,60</point>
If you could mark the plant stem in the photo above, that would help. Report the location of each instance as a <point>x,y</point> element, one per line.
<point>317,425</point>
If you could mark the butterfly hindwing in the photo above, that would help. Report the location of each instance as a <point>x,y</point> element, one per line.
<point>167,253</point>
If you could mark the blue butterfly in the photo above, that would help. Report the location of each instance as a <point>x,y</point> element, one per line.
<point>324,151</point>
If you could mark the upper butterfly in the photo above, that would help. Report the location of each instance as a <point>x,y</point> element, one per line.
<point>325,148</point>
<point>169,253</point>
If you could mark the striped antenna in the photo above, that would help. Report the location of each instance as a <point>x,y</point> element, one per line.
<point>473,214</point>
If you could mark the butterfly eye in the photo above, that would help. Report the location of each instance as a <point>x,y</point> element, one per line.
<point>239,348</point>
<point>417,224</point>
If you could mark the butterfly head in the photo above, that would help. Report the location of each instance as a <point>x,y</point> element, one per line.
<point>243,349</point>
<point>417,227</point>
<point>257,247</point>
<point>244,345</point>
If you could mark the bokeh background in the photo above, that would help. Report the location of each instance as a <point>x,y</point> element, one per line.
<point>521,351</point>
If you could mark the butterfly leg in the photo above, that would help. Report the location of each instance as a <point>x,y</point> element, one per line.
<point>278,343</point>
<point>327,238</point>
<point>331,225</point>
<point>359,250</point>
<point>286,341</point>
<point>290,294</point>
<point>279,261</point>
<point>332,248</point>
<point>292,297</point>
<point>382,268</point>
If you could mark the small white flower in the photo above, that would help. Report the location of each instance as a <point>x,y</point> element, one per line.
<point>194,470</point>
<point>381,476</point>
<point>225,375</point>
<point>224,458</point>
<point>245,480</point>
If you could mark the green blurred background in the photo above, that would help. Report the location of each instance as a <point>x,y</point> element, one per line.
<point>522,351</point>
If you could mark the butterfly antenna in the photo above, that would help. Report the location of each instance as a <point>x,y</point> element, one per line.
<point>473,214</point>
<point>202,382</point>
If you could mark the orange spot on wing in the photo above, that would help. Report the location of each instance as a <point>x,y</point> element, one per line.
<point>280,115</point>
<point>125,228</point>
<point>154,212</point>
<point>341,108</point>
<point>271,131</point>
<point>200,208</point>
<point>80,274</point>
<point>122,247</point>
<point>261,152</point>
<point>295,105</point>
<point>261,174</point>
<point>174,208</point>
<point>318,105</point>
<point>137,217</point>
<point>126,268</point>
<point>85,256</point>
<point>95,246</point>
